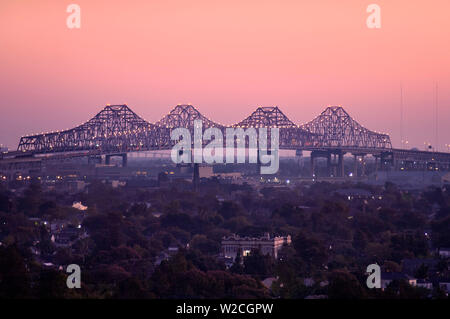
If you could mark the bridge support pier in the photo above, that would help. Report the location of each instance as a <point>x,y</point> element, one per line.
<point>124,159</point>
<point>313,165</point>
<point>299,156</point>
<point>341,164</point>
<point>335,162</point>
<point>359,158</point>
<point>376,164</point>
<point>329,165</point>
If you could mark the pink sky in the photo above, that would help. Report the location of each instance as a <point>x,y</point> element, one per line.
<point>225,58</point>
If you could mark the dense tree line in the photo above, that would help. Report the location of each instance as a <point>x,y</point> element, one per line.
<point>333,240</point>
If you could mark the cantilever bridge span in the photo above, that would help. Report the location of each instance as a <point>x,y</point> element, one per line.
<point>117,130</point>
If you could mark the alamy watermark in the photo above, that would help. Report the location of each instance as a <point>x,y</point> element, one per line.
<point>374,19</point>
<point>74,279</point>
<point>73,21</point>
<point>214,151</point>
<point>374,278</point>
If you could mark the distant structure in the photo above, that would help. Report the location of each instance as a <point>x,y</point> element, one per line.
<point>116,131</point>
<point>267,245</point>
<point>388,277</point>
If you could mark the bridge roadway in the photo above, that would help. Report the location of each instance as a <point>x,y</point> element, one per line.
<point>385,159</point>
<point>117,130</point>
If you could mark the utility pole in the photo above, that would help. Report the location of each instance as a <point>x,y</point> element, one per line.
<point>437,121</point>
<point>401,115</point>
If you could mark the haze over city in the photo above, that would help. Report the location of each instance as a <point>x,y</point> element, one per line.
<point>226,59</point>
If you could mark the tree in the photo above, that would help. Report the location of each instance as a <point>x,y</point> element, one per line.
<point>359,240</point>
<point>344,285</point>
<point>52,284</point>
<point>31,199</point>
<point>238,267</point>
<point>229,209</point>
<point>391,266</point>
<point>421,272</point>
<point>48,209</point>
<point>205,245</point>
<point>132,288</point>
<point>311,250</point>
<point>14,280</point>
<point>401,289</point>
<point>5,203</point>
<point>259,265</point>
<point>441,235</point>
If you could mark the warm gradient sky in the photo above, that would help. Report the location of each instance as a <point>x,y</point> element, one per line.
<point>225,57</point>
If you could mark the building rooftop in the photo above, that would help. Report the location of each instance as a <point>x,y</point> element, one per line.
<point>266,236</point>
<point>395,276</point>
<point>356,192</point>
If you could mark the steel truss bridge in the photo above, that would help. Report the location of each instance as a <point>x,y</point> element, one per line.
<point>117,130</point>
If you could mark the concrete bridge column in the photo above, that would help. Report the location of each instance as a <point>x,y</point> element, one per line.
<point>258,164</point>
<point>299,156</point>
<point>124,160</point>
<point>329,168</point>
<point>363,165</point>
<point>334,165</point>
<point>312,165</point>
<point>396,165</point>
<point>341,165</point>
<point>376,164</point>
<point>382,163</point>
<point>359,158</point>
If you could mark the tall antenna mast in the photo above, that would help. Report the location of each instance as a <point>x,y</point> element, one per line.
<point>401,116</point>
<point>436,124</point>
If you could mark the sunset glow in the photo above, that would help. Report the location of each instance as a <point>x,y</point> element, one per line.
<point>226,58</point>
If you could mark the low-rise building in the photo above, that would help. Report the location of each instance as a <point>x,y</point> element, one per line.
<point>444,284</point>
<point>355,193</point>
<point>388,277</point>
<point>422,283</point>
<point>267,245</point>
<point>67,236</point>
<point>444,252</point>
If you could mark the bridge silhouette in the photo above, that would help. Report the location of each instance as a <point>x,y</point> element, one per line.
<point>117,130</point>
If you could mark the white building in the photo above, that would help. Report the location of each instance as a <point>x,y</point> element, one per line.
<point>266,244</point>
